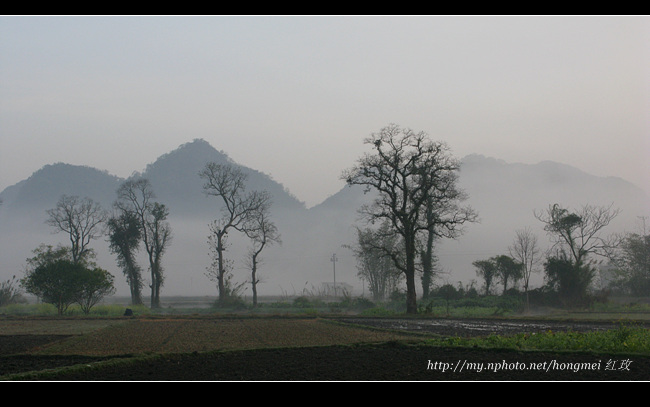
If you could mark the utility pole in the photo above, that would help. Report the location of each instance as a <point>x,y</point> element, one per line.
<point>333,259</point>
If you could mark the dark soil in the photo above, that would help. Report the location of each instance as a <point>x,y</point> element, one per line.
<point>369,362</point>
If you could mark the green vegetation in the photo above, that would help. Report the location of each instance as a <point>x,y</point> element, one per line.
<point>64,283</point>
<point>45,309</point>
<point>625,339</point>
<point>467,306</point>
<point>628,338</point>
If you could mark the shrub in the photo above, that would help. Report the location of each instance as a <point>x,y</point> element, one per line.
<point>302,302</point>
<point>10,293</point>
<point>63,283</point>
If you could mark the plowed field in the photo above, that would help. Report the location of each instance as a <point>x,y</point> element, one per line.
<point>273,349</point>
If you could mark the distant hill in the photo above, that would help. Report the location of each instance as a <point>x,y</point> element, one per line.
<point>174,177</point>
<point>504,194</point>
<point>43,189</point>
<point>176,182</point>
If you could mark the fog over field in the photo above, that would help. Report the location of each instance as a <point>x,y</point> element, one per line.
<point>504,194</point>
<point>540,109</point>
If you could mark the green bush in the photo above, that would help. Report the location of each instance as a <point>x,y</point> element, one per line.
<point>361,303</point>
<point>625,339</point>
<point>302,302</point>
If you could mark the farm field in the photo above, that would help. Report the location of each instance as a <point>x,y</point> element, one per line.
<point>287,348</point>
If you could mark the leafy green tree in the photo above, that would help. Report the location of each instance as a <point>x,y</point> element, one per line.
<point>508,270</point>
<point>136,196</point>
<point>63,282</point>
<point>124,235</point>
<point>410,174</point>
<point>634,262</point>
<point>160,233</point>
<point>54,283</point>
<point>94,285</point>
<point>488,271</point>
<point>569,279</point>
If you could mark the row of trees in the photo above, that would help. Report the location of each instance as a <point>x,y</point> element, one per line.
<point>247,212</point>
<point>139,219</point>
<point>68,275</point>
<point>65,275</point>
<point>578,247</point>
<point>632,262</point>
<point>417,202</point>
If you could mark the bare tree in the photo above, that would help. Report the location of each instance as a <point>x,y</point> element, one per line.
<point>81,219</point>
<point>410,173</point>
<point>137,197</point>
<point>262,232</point>
<point>374,265</point>
<point>575,236</point>
<point>524,249</point>
<point>579,232</point>
<point>228,183</point>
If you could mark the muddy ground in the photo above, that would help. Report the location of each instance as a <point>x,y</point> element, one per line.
<point>390,361</point>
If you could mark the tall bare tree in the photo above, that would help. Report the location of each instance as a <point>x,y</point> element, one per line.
<point>238,208</point>
<point>410,173</point>
<point>82,219</point>
<point>525,250</point>
<point>373,264</point>
<point>262,232</point>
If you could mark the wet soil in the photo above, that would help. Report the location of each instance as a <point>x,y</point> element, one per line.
<point>392,361</point>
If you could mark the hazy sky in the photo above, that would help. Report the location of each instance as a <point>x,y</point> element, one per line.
<point>294,96</point>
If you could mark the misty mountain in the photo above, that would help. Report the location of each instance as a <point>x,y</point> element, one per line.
<point>176,182</point>
<point>504,194</point>
<point>506,197</point>
<point>43,188</point>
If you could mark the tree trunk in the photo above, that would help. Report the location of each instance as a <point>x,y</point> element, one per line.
<point>135,295</point>
<point>427,267</point>
<point>221,271</point>
<point>254,284</point>
<point>411,297</point>
<point>133,279</point>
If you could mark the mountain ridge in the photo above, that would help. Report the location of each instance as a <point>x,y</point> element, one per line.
<point>504,194</point>
<point>203,152</point>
